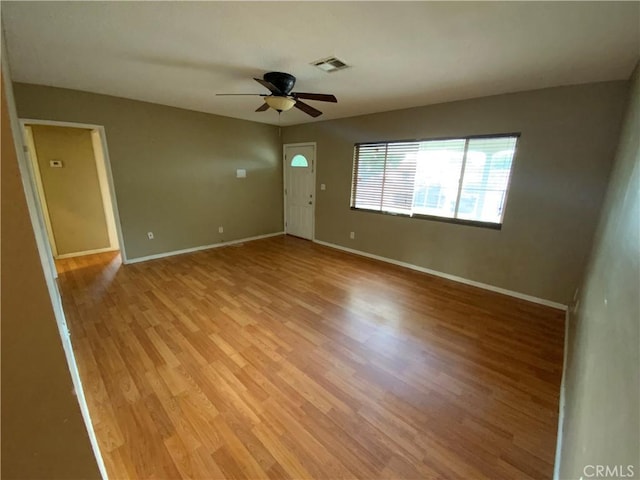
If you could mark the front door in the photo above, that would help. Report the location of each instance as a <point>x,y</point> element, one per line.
<point>299,190</point>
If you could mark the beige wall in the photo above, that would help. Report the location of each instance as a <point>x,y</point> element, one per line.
<point>43,434</point>
<point>73,196</point>
<point>174,174</point>
<point>174,170</point>
<point>559,179</point>
<point>602,391</point>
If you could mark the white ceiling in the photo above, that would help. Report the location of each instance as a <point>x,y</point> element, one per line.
<point>402,54</point>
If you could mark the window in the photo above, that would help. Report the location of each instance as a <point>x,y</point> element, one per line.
<point>461,178</point>
<point>299,161</point>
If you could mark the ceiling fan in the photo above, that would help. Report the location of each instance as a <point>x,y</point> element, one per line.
<point>282,98</point>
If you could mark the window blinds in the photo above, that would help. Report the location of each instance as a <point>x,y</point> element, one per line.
<point>465,178</point>
<point>384,176</point>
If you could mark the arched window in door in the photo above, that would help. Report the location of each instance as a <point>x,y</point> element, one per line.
<point>299,161</point>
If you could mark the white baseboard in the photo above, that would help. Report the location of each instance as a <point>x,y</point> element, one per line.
<point>448,276</point>
<point>197,249</point>
<point>560,436</point>
<point>87,252</point>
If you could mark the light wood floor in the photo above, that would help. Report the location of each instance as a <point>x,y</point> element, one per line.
<point>285,359</point>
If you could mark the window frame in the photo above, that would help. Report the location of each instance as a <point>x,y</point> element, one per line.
<point>421,216</point>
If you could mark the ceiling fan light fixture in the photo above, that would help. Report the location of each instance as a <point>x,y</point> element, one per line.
<point>282,104</point>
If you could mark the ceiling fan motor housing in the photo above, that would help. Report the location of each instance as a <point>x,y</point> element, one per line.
<point>282,81</point>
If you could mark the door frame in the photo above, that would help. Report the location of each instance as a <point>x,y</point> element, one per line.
<point>33,160</point>
<point>46,257</point>
<point>103,163</point>
<point>285,167</point>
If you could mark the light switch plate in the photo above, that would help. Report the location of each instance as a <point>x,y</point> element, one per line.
<point>323,186</point>
<point>241,173</point>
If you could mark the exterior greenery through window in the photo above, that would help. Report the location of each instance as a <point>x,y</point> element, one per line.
<point>460,178</point>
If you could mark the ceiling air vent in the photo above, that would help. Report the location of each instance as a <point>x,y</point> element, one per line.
<point>330,64</point>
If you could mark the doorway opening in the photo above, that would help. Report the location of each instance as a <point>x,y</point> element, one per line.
<point>300,189</point>
<point>70,169</point>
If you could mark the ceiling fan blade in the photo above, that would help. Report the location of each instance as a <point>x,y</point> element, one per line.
<point>262,108</point>
<point>241,94</point>
<point>269,86</point>
<point>308,109</point>
<point>320,97</point>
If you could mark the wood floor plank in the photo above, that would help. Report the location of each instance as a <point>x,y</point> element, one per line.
<point>284,359</point>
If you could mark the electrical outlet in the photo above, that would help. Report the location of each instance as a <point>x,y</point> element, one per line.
<point>150,235</point>
<point>323,186</point>
<point>220,230</point>
<point>352,235</point>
